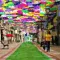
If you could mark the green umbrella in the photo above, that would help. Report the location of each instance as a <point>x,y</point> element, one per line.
<point>10,17</point>
<point>2,13</point>
<point>49,2</point>
<point>29,0</point>
<point>25,11</point>
<point>9,4</point>
<point>10,21</point>
<point>53,8</point>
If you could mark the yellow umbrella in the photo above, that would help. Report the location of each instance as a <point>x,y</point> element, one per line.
<point>30,14</point>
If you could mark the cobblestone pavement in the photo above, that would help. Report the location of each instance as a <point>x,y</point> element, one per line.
<point>54,53</point>
<point>4,53</point>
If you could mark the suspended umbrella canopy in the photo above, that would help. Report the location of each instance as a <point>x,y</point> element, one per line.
<point>10,16</point>
<point>23,0</point>
<point>48,3</point>
<point>42,13</point>
<point>16,2</point>
<point>10,4</point>
<point>28,19</point>
<point>22,5</point>
<point>1,2</point>
<point>25,11</point>
<point>2,13</point>
<point>53,8</point>
<point>31,9</point>
<point>25,8</point>
<point>43,1</point>
<point>41,21</point>
<point>10,21</point>
<point>36,7</point>
<point>8,10</point>
<point>20,12</point>
<point>30,4</point>
<point>42,10</point>
<point>36,13</point>
<point>28,0</point>
<point>30,14</point>
<point>5,18</point>
<point>1,9</point>
<point>53,0</point>
<point>42,6</point>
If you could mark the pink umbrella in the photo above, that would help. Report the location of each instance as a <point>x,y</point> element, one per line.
<point>22,5</point>
<point>1,10</point>
<point>20,12</point>
<point>43,1</point>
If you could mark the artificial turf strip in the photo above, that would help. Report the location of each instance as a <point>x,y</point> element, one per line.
<point>27,51</point>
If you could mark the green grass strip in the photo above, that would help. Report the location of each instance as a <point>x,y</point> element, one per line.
<point>27,51</point>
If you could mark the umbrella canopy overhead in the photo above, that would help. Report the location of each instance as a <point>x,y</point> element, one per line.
<point>27,8</point>
<point>28,19</point>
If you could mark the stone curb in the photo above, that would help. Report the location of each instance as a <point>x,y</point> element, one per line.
<point>49,55</point>
<point>9,53</point>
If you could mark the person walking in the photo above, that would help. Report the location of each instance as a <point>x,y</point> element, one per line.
<point>48,40</point>
<point>5,41</point>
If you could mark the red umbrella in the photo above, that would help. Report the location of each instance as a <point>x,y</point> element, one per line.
<point>9,35</point>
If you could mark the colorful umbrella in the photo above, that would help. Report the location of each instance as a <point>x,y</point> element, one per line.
<point>28,19</point>
<point>1,2</point>
<point>22,5</point>
<point>9,35</point>
<point>43,1</point>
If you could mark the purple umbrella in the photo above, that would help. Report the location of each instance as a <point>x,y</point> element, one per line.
<point>22,5</point>
<point>1,2</point>
<point>30,4</point>
<point>8,10</point>
<point>28,20</point>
